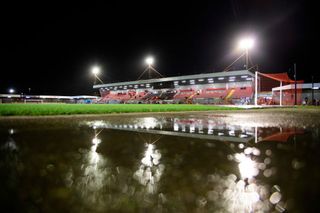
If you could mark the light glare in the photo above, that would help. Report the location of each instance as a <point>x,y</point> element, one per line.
<point>149,60</point>
<point>246,43</point>
<point>246,166</point>
<point>95,70</point>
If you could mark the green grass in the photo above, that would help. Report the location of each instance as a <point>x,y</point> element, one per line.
<point>308,107</point>
<point>72,109</point>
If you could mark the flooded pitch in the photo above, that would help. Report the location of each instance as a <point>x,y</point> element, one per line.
<point>194,162</point>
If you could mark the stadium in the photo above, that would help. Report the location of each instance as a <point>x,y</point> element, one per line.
<point>211,88</point>
<point>239,87</point>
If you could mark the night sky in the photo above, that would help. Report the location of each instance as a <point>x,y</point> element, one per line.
<point>50,47</point>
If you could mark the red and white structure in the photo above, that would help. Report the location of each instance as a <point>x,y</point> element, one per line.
<point>233,87</point>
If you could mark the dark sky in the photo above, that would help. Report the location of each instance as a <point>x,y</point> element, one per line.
<point>50,47</point>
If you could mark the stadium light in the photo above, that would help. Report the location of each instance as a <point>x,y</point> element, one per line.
<point>149,60</point>
<point>11,91</point>
<point>246,44</point>
<point>95,70</point>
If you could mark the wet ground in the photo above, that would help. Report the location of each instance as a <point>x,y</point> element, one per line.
<point>250,161</point>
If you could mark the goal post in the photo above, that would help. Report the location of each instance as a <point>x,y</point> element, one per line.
<point>276,89</point>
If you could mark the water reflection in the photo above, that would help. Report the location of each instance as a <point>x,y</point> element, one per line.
<point>94,156</point>
<point>160,164</point>
<point>149,123</point>
<point>10,144</point>
<point>245,192</point>
<point>90,179</point>
<point>247,167</point>
<point>150,170</point>
<point>100,183</point>
<point>209,129</point>
<point>235,195</point>
<point>248,195</point>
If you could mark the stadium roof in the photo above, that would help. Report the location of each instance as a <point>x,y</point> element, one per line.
<point>178,78</point>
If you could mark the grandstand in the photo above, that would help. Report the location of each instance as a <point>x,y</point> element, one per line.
<point>233,87</point>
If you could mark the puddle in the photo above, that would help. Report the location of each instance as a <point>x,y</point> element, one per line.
<point>171,163</point>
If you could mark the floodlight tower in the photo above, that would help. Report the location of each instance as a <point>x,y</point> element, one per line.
<point>149,61</point>
<point>96,71</point>
<point>11,91</point>
<point>246,44</point>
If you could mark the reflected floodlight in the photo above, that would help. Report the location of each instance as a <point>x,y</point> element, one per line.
<point>246,43</point>
<point>149,60</point>
<point>11,91</point>
<point>95,70</point>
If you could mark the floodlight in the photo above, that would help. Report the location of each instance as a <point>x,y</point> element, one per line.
<point>149,60</point>
<point>95,70</point>
<point>246,43</point>
<point>11,91</point>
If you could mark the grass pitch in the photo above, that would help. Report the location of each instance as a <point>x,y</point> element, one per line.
<point>73,109</point>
